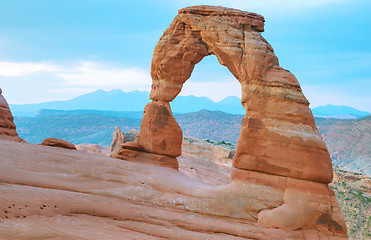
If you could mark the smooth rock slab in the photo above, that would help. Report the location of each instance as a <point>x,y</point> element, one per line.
<point>59,193</point>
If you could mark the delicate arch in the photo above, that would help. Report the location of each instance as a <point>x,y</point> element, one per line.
<point>278,133</point>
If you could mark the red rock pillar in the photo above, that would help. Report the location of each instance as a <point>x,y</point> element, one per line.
<point>159,141</point>
<point>159,131</point>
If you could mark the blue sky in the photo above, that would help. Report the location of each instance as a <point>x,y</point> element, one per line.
<point>53,50</point>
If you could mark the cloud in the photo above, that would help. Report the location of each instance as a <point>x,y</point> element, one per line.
<point>29,82</point>
<point>100,75</point>
<point>82,73</point>
<point>78,90</point>
<point>14,69</point>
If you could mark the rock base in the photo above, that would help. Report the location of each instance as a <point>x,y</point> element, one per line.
<point>144,157</point>
<point>306,204</point>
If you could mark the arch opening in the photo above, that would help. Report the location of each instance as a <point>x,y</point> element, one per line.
<point>212,80</point>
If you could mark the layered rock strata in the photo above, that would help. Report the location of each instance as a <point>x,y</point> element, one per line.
<point>279,145</point>
<point>7,126</point>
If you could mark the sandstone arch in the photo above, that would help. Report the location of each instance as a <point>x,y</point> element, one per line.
<point>278,133</point>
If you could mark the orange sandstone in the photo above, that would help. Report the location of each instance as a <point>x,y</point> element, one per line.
<point>279,148</point>
<point>278,134</point>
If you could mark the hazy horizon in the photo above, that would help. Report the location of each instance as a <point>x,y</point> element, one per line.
<point>329,108</point>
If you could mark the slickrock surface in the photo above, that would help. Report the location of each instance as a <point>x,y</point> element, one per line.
<point>278,134</point>
<point>144,157</point>
<point>7,126</point>
<point>56,142</point>
<point>205,151</point>
<point>55,193</point>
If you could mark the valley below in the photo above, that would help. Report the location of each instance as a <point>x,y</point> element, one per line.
<point>347,140</point>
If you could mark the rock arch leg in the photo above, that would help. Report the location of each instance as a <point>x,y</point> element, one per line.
<point>278,133</point>
<point>159,132</point>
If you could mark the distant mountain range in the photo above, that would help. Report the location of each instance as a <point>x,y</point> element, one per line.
<point>341,112</point>
<point>117,100</point>
<point>114,100</point>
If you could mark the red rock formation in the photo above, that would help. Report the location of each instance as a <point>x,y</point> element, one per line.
<point>278,134</point>
<point>159,132</point>
<point>279,144</point>
<point>7,126</point>
<point>56,142</point>
<point>306,204</point>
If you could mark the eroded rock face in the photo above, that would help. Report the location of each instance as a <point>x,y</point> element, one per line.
<point>7,126</point>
